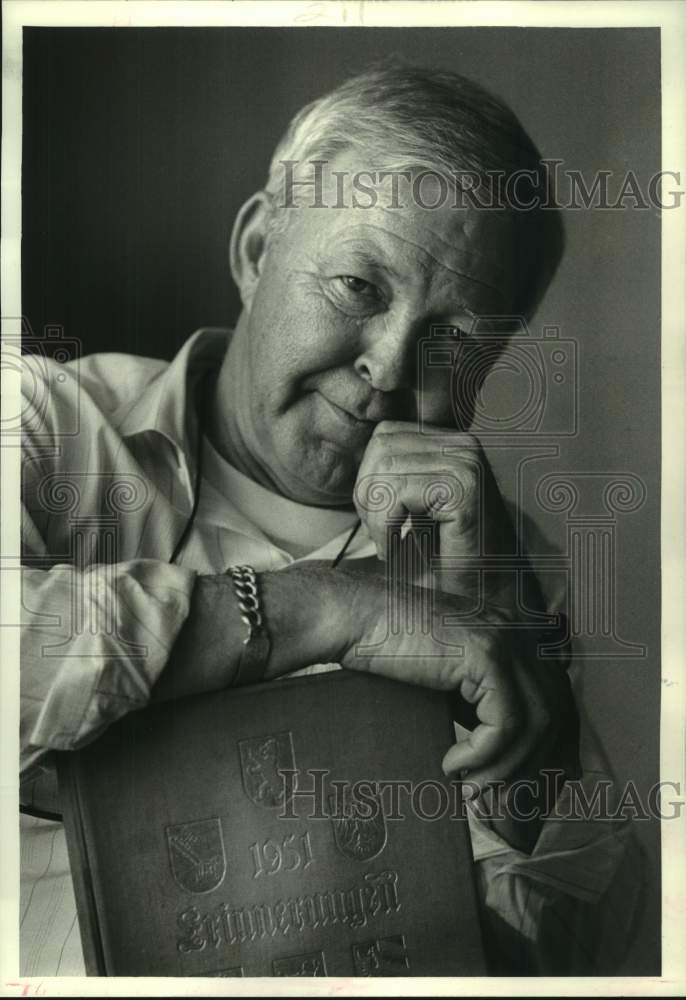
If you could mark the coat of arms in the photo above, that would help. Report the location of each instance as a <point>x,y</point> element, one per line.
<point>311,964</point>
<point>261,760</point>
<point>359,828</point>
<point>196,854</point>
<point>383,957</point>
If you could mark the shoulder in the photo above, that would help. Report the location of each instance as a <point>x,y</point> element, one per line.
<point>112,379</point>
<point>54,393</point>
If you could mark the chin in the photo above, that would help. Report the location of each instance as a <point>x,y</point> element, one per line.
<point>326,480</point>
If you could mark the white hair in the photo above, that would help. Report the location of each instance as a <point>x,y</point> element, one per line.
<point>404,117</point>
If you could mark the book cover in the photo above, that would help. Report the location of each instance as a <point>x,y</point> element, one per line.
<point>297,828</point>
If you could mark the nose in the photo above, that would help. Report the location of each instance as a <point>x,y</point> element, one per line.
<point>387,359</point>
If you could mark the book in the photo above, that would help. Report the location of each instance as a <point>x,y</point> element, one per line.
<point>297,828</point>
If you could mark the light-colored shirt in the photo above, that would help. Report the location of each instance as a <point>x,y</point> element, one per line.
<point>109,471</point>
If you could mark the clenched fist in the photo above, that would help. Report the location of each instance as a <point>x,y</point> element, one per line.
<point>446,477</point>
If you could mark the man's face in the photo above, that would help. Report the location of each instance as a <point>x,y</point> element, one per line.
<point>329,344</point>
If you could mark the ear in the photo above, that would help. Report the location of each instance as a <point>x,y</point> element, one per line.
<point>248,245</point>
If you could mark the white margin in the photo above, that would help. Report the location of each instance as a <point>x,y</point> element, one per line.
<point>671,17</point>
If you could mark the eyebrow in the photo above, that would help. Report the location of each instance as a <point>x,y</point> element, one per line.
<point>376,261</point>
<point>362,253</point>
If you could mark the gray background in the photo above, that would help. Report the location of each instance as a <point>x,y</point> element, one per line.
<point>139,146</point>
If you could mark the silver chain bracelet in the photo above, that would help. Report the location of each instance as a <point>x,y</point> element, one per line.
<point>257,645</point>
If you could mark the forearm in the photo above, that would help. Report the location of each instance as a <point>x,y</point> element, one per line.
<point>306,611</point>
<point>174,634</point>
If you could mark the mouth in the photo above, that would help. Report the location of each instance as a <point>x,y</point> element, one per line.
<point>353,429</point>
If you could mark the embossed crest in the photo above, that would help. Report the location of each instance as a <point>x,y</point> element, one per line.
<point>261,760</point>
<point>382,957</point>
<point>196,854</point>
<point>310,964</point>
<point>359,826</point>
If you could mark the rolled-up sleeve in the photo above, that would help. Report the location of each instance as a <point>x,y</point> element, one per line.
<point>569,907</point>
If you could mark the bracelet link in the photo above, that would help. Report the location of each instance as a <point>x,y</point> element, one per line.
<point>256,645</point>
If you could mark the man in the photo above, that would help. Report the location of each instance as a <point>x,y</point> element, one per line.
<point>265,448</point>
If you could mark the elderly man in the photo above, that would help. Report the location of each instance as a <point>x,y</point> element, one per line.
<point>260,448</point>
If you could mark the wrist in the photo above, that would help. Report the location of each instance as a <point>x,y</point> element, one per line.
<point>309,611</point>
<point>366,615</point>
<point>256,647</point>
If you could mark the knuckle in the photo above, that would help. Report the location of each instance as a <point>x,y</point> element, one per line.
<point>383,427</point>
<point>467,440</point>
<point>470,480</point>
<point>450,673</point>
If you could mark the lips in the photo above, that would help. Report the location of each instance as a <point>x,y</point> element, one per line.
<point>346,413</point>
<point>344,424</point>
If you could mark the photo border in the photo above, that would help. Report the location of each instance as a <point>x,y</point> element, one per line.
<point>671,18</point>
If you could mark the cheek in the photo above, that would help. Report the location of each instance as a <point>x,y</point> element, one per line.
<point>296,330</point>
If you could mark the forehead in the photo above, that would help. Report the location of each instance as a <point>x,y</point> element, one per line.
<point>443,249</point>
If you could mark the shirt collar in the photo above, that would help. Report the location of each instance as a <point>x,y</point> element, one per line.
<point>166,405</point>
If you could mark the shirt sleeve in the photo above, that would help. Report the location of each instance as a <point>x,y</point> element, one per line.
<point>569,907</point>
<point>77,681</point>
<point>94,637</point>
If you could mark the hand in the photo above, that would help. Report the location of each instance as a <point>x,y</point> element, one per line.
<point>522,703</point>
<point>447,477</point>
<point>526,717</point>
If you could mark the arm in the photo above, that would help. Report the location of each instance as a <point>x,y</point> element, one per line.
<point>445,480</point>
<point>307,613</point>
<point>176,636</point>
<point>316,614</point>
<point>93,643</point>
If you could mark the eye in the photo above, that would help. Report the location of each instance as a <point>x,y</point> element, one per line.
<point>450,332</point>
<point>358,286</point>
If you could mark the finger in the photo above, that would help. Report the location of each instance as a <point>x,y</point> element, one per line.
<point>500,768</point>
<point>534,749</point>
<point>404,470</point>
<point>511,759</point>
<point>380,509</point>
<point>483,752</point>
<point>419,486</point>
<point>489,745</point>
<point>402,435</point>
